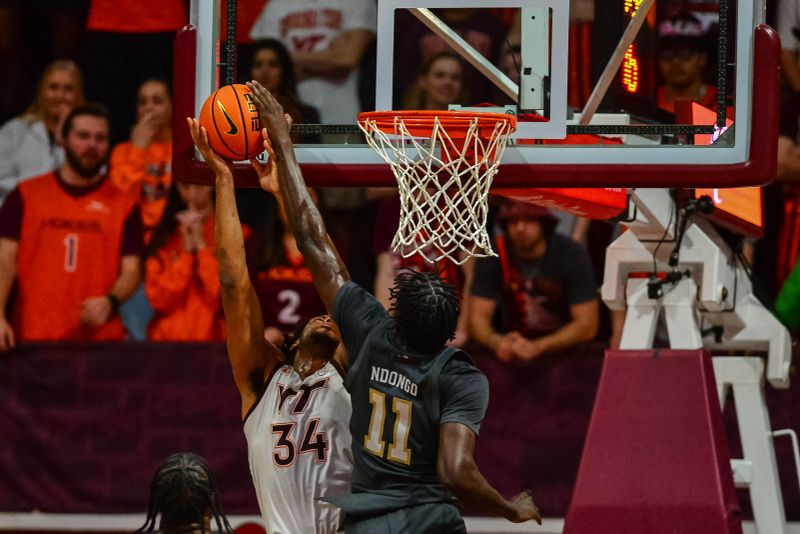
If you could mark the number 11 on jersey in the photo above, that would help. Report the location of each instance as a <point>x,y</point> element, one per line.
<point>373,441</point>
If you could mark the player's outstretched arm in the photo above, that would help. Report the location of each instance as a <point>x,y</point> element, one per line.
<point>249,353</point>
<point>319,253</point>
<point>457,470</point>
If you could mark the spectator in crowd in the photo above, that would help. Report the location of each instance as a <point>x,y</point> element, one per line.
<point>440,83</point>
<point>783,197</point>
<point>127,43</point>
<point>272,67</point>
<point>787,304</point>
<point>143,164</point>
<point>681,60</point>
<point>282,282</point>
<point>327,41</point>
<point>541,284</point>
<point>788,25</point>
<point>29,144</point>
<point>73,241</point>
<point>416,44</point>
<point>184,498</point>
<point>181,279</point>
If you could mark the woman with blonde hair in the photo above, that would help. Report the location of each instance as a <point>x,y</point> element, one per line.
<point>30,144</point>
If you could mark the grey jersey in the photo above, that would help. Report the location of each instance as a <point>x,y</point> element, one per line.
<point>399,400</point>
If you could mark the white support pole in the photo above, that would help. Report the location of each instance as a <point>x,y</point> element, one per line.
<point>758,469</point>
<point>680,313</point>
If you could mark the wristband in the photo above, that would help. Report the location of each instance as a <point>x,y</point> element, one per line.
<point>114,302</point>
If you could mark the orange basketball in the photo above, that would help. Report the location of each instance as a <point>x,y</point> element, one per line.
<point>231,119</point>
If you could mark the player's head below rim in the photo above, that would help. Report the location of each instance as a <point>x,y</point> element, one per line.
<point>319,335</point>
<point>425,309</point>
<point>183,494</point>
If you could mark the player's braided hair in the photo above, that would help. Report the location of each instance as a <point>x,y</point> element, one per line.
<point>425,309</point>
<point>182,492</point>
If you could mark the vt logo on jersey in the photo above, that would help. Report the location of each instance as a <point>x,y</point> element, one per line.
<point>234,130</point>
<point>303,396</point>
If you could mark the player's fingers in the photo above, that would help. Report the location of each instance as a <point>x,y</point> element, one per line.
<point>192,128</point>
<point>289,120</point>
<point>265,134</point>
<point>258,166</point>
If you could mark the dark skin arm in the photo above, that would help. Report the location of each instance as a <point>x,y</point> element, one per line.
<point>248,351</point>
<point>320,255</point>
<point>458,472</point>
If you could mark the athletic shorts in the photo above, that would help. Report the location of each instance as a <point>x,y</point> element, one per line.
<point>433,518</point>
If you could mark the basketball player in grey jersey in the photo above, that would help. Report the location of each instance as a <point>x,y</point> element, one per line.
<point>417,406</point>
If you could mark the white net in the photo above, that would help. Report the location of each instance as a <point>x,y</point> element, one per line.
<point>443,182</point>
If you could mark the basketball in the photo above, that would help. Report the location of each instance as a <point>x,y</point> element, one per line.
<point>231,119</point>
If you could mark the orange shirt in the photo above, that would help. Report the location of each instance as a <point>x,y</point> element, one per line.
<point>142,16</point>
<point>146,172</point>
<point>183,289</point>
<point>69,250</point>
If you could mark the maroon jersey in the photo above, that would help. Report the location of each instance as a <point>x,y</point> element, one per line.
<point>288,296</point>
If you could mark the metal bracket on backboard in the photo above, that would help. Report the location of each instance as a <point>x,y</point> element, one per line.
<point>535,69</point>
<point>556,53</point>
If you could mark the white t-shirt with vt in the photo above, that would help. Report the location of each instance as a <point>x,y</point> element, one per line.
<point>311,26</point>
<point>788,24</point>
<point>299,448</point>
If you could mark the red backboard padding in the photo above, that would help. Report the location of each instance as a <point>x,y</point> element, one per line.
<point>655,459</point>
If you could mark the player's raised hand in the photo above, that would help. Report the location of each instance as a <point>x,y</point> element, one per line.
<point>7,341</point>
<point>273,118</point>
<point>268,172</point>
<point>525,509</point>
<point>200,138</point>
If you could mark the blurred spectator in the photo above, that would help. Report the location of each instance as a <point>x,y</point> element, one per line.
<point>282,282</point>
<point>787,304</point>
<point>181,278</point>
<point>272,67</point>
<point>776,253</point>
<point>73,241</point>
<point>788,25</point>
<point>184,498</point>
<point>390,263</point>
<point>327,41</point>
<point>681,60</point>
<point>440,83</point>
<point>143,165</point>
<point>29,144</point>
<point>127,43</point>
<point>541,284</point>
<point>416,44</point>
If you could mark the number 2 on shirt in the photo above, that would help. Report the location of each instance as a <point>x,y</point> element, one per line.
<point>373,441</point>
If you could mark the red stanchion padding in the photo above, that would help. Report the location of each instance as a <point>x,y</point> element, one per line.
<point>655,459</point>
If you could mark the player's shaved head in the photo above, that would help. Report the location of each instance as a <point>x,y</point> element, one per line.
<point>184,494</point>
<point>425,310</point>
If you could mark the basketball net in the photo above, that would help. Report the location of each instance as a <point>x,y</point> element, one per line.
<point>444,163</point>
